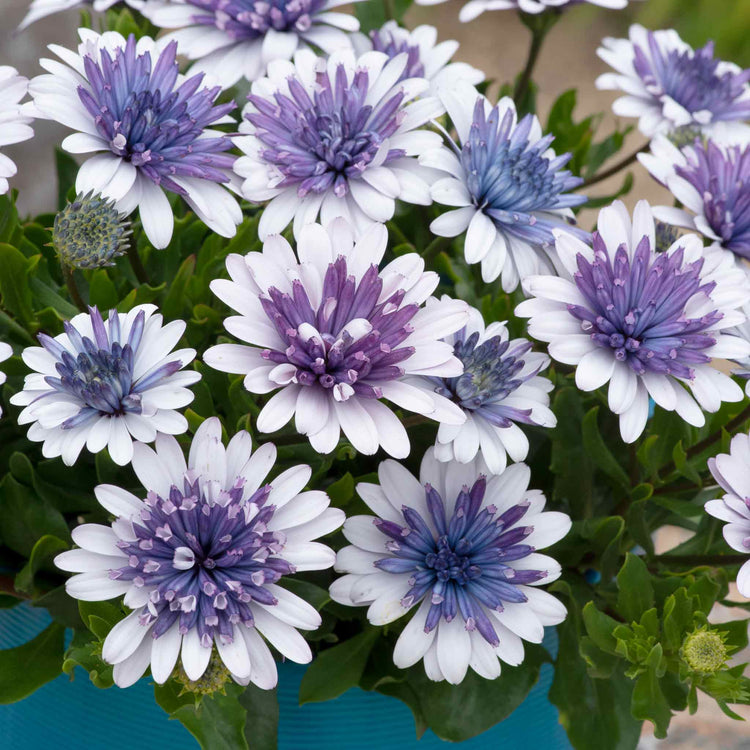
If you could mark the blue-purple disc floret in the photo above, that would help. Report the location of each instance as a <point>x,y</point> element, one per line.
<point>204,556</point>
<point>252,19</point>
<point>153,123</point>
<point>636,308</point>
<point>384,41</point>
<point>721,176</point>
<point>511,179</point>
<point>319,143</point>
<point>100,376</point>
<point>461,567</point>
<point>692,79</point>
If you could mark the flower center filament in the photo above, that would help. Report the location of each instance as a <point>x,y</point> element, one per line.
<point>637,308</point>
<point>349,338</point>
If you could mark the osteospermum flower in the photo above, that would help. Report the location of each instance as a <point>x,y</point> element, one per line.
<point>5,353</point>
<point>648,323</point>
<point>508,185</point>
<point>668,85</point>
<point>106,385</point>
<point>500,388</point>
<point>128,101</point>
<point>712,182</point>
<point>426,58</point>
<point>730,471</point>
<point>14,122</point>
<point>460,549</point>
<point>201,557</point>
<point>42,8</point>
<point>234,39</point>
<point>475,8</point>
<point>334,335</point>
<point>743,330</point>
<point>335,138</point>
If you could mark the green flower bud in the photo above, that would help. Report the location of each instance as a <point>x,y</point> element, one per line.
<point>211,681</point>
<point>704,651</point>
<point>90,232</point>
<point>685,135</point>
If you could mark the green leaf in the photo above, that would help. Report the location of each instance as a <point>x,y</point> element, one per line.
<point>341,491</point>
<point>337,669</point>
<point>599,627</point>
<point>373,15</point>
<point>41,554</point>
<point>677,618</point>
<point>67,169</point>
<point>314,595</point>
<point>102,291</point>
<point>26,668</point>
<point>14,284</point>
<point>649,703</point>
<point>262,722</point>
<point>595,446</point>
<point>636,593</point>
<point>175,301</point>
<point>680,458</point>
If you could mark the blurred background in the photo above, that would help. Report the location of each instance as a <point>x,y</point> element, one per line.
<point>497,43</point>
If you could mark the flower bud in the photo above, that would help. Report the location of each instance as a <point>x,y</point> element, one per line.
<point>211,681</point>
<point>704,651</point>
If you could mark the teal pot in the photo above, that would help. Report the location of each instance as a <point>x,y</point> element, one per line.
<point>76,714</point>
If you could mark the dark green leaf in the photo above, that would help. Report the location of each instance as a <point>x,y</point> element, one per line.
<point>636,594</point>
<point>14,284</point>
<point>597,449</point>
<point>262,722</point>
<point>41,554</point>
<point>67,170</point>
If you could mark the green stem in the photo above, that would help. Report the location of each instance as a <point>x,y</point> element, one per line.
<point>539,27</point>
<point>613,170</point>
<point>435,248</point>
<point>70,282</point>
<point>695,560</point>
<point>137,264</point>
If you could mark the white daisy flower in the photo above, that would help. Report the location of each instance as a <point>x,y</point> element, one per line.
<point>336,137</point>
<point>731,472</point>
<point>14,119</point>
<point>333,335</point>
<point>475,8</point>
<point>426,58</point>
<point>104,386</point>
<point>191,594</point>
<point>235,39</point>
<point>668,85</point>
<point>127,100</point>
<point>42,8</point>
<point>648,323</point>
<point>459,551</point>
<point>5,353</point>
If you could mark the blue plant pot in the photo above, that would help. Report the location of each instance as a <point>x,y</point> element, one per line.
<point>78,714</point>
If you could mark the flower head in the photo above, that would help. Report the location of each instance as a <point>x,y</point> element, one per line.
<point>14,122</point>
<point>460,547</point>
<point>500,387</point>
<point>334,335</point>
<point>705,651</point>
<point>475,8</point>
<point>106,385</point>
<point>5,353</point>
<point>90,232</point>
<point>743,330</point>
<point>508,185</point>
<point>648,323</point>
<point>42,8</point>
<point>128,101</point>
<point>712,181</point>
<point>335,138</point>
<point>235,39</point>
<point>426,58</point>
<point>730,471</point>
<point>668,85</point>
<point>200,559</point>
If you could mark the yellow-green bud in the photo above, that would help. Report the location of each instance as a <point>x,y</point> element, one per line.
<point>704,651</point>
<point>211,681</point>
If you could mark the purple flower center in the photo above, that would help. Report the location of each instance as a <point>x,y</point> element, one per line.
<point>638,309</point>
<point>147,121</point>
<point>351,338</point>
<point>723,180</point>
<point>205,555</point>
<point>511,179</point>
<point>490,375</point>
<point>462,565</point>
<point>386,42</point>
<point>320,143</point>
<point>692,80</point>
<point>251,19</point>
<point>100,373</point>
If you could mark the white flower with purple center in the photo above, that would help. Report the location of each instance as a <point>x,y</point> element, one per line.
<point>475,8</point>
<point>335,137</point>
<point>127,100</point>
<point>235,39</point>
<point>5,353</point>
<point>200,560</point>
<point>712,181</point>
<point>334,335</point>
<point>426,58</point>
<point>499,389</point>
<point>14,120</point>
<point>42,8</point>
<point>646,322</point>
<point>457,549</point>
<point>509,188</point>
<point>104,385</point>
<point>730,470</point>
<point>668,85</point>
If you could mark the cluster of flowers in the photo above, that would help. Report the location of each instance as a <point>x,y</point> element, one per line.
<point>334,334</point>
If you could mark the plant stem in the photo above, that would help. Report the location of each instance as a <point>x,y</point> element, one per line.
<point>626,162</point>
<point>70,282</point>
<point>695,560</point>
<point>538,32</point>
<point>136,264</point>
